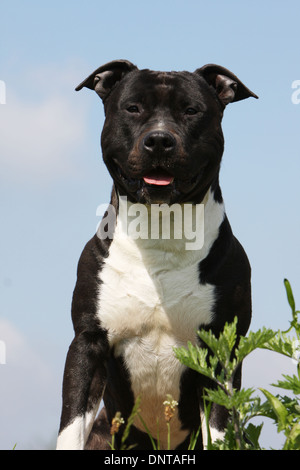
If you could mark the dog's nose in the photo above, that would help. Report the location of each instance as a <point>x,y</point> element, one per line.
<point>159,142</point>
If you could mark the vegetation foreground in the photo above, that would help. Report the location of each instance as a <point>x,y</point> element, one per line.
<point>218,363</point>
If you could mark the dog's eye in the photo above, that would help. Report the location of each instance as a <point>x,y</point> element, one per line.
<point>190,111</point>
<point>133,109</point>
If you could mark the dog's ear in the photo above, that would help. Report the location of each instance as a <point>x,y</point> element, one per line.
<point>105,77</point>
<point>228,87</point>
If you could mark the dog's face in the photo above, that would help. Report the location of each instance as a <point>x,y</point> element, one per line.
<point>162,140</point>
<point>162,137</point>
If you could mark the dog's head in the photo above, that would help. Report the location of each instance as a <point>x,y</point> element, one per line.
<point>162,139</point>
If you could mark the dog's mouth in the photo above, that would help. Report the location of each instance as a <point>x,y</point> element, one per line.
<point>158,177</point>
<point>158,185</point>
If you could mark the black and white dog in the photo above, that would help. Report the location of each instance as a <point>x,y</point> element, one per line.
<point>138,296</point>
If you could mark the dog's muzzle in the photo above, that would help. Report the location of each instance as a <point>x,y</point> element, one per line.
<point>160,179</point>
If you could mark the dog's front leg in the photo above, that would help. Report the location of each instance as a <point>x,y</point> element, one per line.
<point>83,386</point>
<point>217,424</point>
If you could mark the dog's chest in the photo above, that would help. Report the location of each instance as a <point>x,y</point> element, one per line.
<point>150,301</point>
<point>149,297</point>
<point>149,307</point>
<point>150,289</point>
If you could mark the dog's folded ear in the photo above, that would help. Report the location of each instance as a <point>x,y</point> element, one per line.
<point>227,85</point>
<point>105,77</point>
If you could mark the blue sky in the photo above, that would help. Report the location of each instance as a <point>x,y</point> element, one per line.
<point>52,177</point>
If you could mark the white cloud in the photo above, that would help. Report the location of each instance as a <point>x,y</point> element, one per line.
<point>29,394</point>
<point>40,135</point>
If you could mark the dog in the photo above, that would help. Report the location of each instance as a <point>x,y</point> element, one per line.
<point>137,297</point>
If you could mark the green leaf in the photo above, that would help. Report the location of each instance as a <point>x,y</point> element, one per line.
<point>194,357</point>
<point>290,383</point>
<point>134,413</point>
<point>210,340</point>
<point>290,295</point>
<point>253,432</point>
<point>281,343</point>
<point>293,438</point>
<point>219,397</point>
<point>258,339</point>
<point>279,409</point>
<point>230,401</point>
<point>222,346</point>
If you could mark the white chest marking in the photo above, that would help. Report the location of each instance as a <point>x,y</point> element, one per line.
<point>150,301</point>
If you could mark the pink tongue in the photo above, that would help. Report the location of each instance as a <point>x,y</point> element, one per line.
<point>159,180</point>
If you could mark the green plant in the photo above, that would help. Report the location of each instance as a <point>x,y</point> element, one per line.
<point>241,434</point>
<point>169,410</point>
<point>117,423</point>
<point>220,365</point>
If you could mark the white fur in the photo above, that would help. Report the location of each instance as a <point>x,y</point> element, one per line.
<point>214,433</point>
<point>72,437</point>
<point>75,435</point>
<point>151,300</point>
